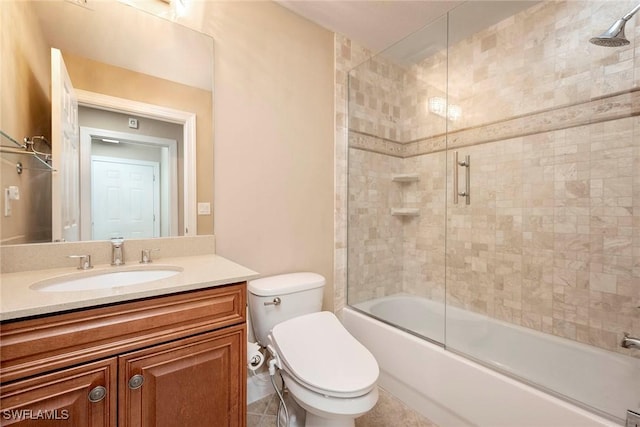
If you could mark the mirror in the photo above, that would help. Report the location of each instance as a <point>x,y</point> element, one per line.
<point>137,70</point>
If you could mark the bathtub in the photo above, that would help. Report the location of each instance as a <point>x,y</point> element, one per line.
<point>453,390</point>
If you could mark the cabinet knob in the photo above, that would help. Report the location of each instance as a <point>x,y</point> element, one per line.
<point>136,381</point>
<point>97,394</point>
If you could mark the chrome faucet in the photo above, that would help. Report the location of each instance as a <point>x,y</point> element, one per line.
<point>145,256</point>
<point>84,261</point>
<point>117,251</point>
<point>630,342</point>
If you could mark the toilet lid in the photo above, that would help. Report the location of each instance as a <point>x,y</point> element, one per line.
<point>320,352</point>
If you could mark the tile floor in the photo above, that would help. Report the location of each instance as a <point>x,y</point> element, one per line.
<point>388,412</point>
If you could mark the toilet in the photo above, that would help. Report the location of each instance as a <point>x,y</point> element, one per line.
<point>326,370</point>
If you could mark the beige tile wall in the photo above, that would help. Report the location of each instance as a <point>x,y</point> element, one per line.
<point>551,240</point>
<point>424,236</point>
<point>347,54</point>
<point>540,59</point>
<point>376,238</point>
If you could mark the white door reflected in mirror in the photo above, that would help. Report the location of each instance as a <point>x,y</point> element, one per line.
<point>65,150</point>
<point>125,198</point>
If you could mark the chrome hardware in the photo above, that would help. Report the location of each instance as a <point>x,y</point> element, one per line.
<point>145,256</point>
<point>276,301</point>
<point>466,163</point>
<point>630,342</point>
<point>97,394</point>
<point>135,382</point>
<point>84,261</point>
<point>255,361</point>
<point>117,251</point>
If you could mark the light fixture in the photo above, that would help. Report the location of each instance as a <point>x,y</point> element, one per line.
<point>179,7</point>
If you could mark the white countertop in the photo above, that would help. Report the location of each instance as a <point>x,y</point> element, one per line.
<point>18,300</point>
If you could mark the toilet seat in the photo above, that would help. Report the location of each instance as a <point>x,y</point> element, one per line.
<point>319,352</point>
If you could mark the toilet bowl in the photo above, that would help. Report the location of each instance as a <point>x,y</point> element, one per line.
<point>330,411</point>
<point>327,371</point>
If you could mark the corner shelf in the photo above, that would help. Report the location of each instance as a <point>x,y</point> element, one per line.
<point>405,177</point>
<point>405,211</point>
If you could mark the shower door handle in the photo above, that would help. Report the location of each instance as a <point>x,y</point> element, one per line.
<point>467,177</point>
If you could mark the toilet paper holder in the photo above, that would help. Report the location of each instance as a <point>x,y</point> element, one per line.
<point>255,358</point>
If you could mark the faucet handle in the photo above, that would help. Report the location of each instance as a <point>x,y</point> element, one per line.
<point>84,261</point>
<point>145,256</point>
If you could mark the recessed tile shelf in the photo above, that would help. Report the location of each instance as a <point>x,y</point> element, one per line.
<point>405,177</point>
<point>405,211</point>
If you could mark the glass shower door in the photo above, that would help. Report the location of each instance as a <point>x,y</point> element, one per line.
<point>541,259</point>
<point>396,183</point>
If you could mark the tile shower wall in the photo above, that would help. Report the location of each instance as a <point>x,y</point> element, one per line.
<point>348,54</point>
<point>375,236</point>
<point>551,240</point>
<point>391,254</point>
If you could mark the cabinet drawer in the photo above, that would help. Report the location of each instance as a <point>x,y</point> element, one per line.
<point>38,345</point>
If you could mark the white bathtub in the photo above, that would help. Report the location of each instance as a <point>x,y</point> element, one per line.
<point>455,391</point>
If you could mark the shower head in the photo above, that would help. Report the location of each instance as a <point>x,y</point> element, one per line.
<point>614,36</point>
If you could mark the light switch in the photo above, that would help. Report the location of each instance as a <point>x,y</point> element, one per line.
<point>204,208</point>
<point>14,193</point>
<point>10,193</point>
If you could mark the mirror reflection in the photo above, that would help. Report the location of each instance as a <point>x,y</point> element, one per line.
<point>125,165</point>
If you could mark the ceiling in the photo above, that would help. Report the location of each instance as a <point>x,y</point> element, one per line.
<point>378,25</point>
<point>374,24</point>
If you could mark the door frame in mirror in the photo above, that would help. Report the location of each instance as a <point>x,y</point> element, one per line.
<point>185,118</point>
<point>168,179</point>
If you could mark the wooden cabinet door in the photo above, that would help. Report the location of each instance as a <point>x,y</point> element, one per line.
<point>61,398</point>
<point>197,382</point>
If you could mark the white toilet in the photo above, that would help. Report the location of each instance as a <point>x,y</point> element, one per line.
<point>328,373</point>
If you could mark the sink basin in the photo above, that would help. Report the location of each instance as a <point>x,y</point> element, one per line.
<point>105,279</point>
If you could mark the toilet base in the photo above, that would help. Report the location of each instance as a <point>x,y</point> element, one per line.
<point>313,420</point>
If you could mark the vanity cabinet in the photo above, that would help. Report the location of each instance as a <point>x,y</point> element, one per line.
<point>164,361</point>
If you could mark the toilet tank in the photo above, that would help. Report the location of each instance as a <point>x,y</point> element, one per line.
<point>298,294</point>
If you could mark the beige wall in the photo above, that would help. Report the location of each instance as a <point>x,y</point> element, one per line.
<point>273,139</point>
<point>24,112</point>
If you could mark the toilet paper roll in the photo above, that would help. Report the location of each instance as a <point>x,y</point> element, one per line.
<point>255,358</point>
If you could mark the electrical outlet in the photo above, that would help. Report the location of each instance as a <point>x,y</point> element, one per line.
<point>133,123</point>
